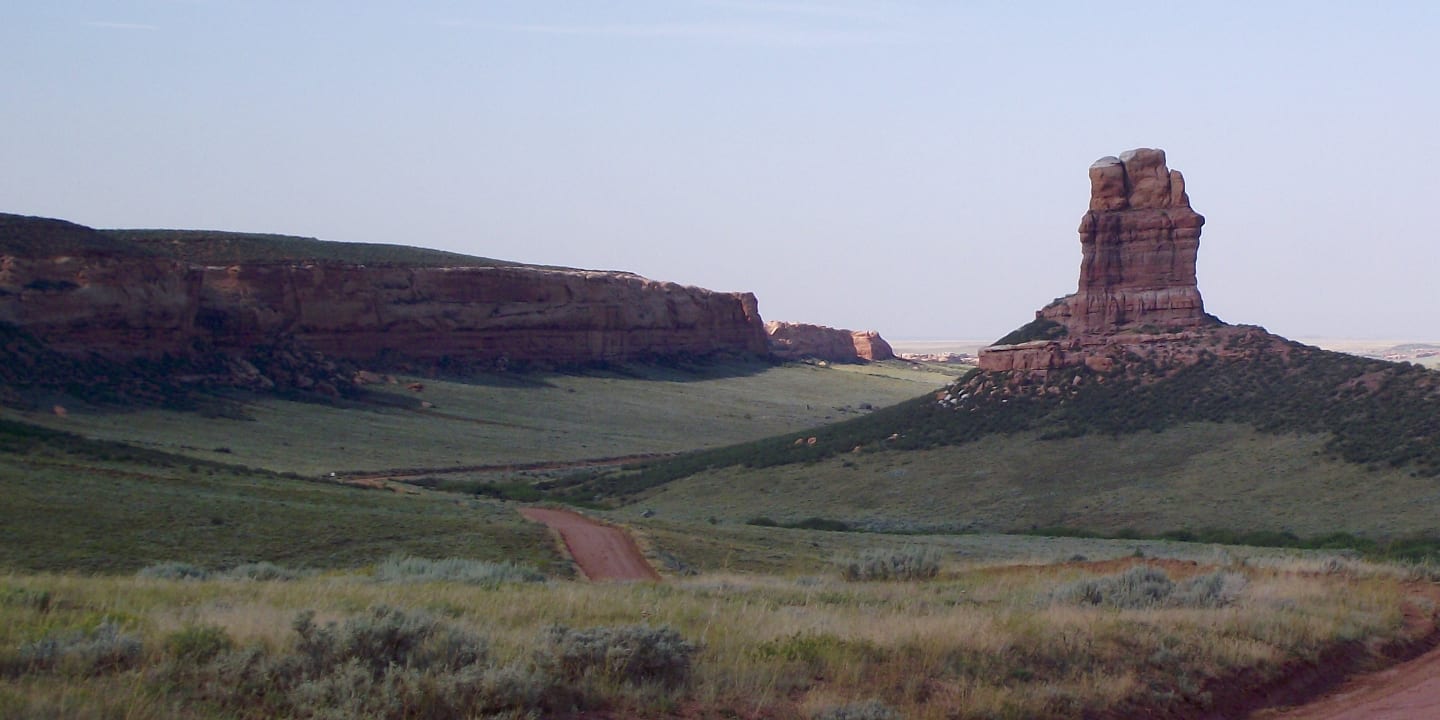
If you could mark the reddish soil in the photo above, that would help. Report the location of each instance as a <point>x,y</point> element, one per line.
<point>602,552</point>
<point>1408,690</point>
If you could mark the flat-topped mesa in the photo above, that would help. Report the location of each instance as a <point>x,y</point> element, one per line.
<point>1138,242</point>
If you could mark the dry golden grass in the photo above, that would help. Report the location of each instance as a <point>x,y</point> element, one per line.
<point>980,641</point>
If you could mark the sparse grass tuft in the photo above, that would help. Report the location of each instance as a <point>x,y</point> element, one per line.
<point>865,710</point>
<point>174,570</point>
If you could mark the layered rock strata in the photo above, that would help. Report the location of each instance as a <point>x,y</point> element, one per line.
<point>82,293</point>
<point>797,341</point>
<point>1139,241</point>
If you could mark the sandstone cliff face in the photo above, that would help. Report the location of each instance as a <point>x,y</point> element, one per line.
<point>81,293</point>
<point>795,341</point>
<point>84,292</point>
<point>474,313</point>
<point>1139,242</point>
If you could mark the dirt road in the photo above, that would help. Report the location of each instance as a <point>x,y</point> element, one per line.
<point>1405,692</point>
<point>1408,690</point>
<point>601,551</point>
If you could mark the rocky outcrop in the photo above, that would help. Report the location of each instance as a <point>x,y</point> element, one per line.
<point>797,341</point>
<point>1139,241</point>
<point>869,346</point>
<point>80,292</point>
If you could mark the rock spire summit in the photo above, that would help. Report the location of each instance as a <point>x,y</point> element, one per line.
<point>1138,240</point>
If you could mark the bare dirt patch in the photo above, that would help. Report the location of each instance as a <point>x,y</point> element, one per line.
<point>603,552</point>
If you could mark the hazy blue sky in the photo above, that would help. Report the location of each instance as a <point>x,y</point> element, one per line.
<point>913,167</point>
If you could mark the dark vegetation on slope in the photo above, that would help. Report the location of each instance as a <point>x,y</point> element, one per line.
<point>1037,329</point>
<point>32,376</point>
<point>27,236</point>
<point>213,247</point>
<point>1377,413</point>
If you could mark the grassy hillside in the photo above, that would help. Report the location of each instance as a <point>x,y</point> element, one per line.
<point>1193,476</point>
<point>508,419</point>
<point>1298,440</point>
<point>77,504</point>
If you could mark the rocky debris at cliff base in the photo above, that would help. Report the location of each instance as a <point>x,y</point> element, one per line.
<point>799,341</point>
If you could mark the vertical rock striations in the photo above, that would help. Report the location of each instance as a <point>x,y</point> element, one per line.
<point>1138,245</point>
<point>1139,241</point>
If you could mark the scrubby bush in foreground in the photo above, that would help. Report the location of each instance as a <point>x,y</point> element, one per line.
<point>634,653</point>
<point>395,664</point>
<point>104,649</point>
<point>1147,586</point>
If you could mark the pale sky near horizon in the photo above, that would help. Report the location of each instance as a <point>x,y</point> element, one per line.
<point>914,167</point>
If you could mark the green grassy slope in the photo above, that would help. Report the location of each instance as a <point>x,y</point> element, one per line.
<point>75,504</point>
<point>508,419</point>
<point>1193,476</point>
<point>1285,438</point>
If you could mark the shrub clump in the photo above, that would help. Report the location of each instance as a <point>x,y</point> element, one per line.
<point>630,654</point>
<point>102,650</point>
<point>392,664</point>
<point>387,663</point>
<point>263,572</point>
<point>907,563</point>
<point>403,569</point>
<point>1147,586</point>
<point>174,571</point>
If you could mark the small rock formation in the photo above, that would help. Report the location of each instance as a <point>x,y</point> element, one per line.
<point>1139,240</point>
<point>796,341</point>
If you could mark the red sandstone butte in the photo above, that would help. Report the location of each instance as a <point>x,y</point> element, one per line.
<point>1139,241</point>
